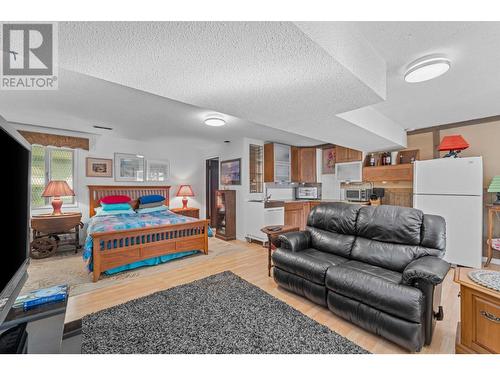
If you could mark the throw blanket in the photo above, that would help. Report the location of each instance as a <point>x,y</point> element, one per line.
<point>124,221</point>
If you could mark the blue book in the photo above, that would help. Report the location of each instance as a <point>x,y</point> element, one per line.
<point>42,296</point>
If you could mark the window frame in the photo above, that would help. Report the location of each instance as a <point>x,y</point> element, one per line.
<point>48,173</point>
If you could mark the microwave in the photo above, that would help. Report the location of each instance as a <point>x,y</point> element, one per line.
<point>358,195</point>
<point>308,192</point>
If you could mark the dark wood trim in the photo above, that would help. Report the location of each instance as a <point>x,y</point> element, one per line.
<point>46,139</point>
<point>455,125</point>
<point>436,139</point>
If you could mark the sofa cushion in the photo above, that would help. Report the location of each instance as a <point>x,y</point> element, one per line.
<point>400,225</point>
<point>434,233</point>
<point>331,242</point>
<point>378,289</point>
<point>310,264</point>
<point>334,217</point>
<point>387,255</point>
<point>384,273</point>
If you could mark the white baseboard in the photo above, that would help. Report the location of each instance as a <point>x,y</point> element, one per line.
<point>493,260</point>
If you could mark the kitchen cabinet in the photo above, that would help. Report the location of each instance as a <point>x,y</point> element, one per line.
<point>399,172</point>
<point>277,162</point>
<point>345,155</point>
<point>296,214</point>
<point>304,164</point>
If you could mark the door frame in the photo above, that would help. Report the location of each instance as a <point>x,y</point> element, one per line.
<point>210,189</point>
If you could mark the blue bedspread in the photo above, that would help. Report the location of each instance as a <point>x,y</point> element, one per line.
<point>124,221</point>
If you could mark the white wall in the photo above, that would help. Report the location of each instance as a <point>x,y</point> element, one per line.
<point>238,148</point>
<point>187,166</point>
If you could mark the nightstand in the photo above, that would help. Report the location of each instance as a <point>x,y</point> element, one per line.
<point>190,211</point>
<point>46,230</point>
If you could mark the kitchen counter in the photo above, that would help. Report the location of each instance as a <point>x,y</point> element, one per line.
<point>323,201</point>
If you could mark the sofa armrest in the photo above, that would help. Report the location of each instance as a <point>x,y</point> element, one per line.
<point>429,268</point>
<point>295,241</point>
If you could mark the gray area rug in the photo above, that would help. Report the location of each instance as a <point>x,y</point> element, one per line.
<point>218,314</point>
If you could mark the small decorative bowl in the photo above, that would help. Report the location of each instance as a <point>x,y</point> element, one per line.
<point>489,279</point>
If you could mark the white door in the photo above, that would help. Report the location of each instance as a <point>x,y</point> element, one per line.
<point>464,225</point>
<point>453,176</point>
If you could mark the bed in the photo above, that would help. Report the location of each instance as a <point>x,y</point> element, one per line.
<point>115,243</point>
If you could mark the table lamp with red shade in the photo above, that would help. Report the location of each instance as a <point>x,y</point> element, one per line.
<point>57,189</point>
<point>185,191</point>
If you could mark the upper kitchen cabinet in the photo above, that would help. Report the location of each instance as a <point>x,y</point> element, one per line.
<point>277,162</point>
<point>304,164</point>
<point>346,155</point>
<point>399,172</point>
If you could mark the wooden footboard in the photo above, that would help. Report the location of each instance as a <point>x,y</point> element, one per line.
<point>117,248</point>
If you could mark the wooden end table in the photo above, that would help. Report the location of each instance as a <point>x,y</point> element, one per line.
<point>46,230</point>
<point>190,211</point>
<point>492,210</point>
<point>479,328</point>
<point>271,236</point>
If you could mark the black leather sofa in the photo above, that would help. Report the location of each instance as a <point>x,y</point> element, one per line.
<point>378,267</point>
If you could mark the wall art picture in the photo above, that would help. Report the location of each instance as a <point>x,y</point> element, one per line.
<point>157,170</point>
<point>97,167</point>
<point>129,167</point>
<point>328,164</point>
<point>230,172</point>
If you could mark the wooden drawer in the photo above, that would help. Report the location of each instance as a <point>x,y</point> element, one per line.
<point>485,325</point>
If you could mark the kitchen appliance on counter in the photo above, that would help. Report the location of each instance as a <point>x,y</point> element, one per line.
<point>453,189</point>
<point>355,194</point>
<point>308,191</point>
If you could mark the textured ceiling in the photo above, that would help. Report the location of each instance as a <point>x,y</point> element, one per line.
<point>271,73</point>
<point>469,90</point>
<point>84,101</point>
<point>326,81</point>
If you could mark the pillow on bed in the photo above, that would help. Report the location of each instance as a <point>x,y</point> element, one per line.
<point>112,199</point>
<point>115,206</point>
<point>148,210</point>
<point>151,199</point>
<point>154,204</point>
<point>100,212</point>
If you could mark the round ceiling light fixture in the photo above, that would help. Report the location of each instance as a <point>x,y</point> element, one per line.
<point>215,121</point>
<point>426,68</point>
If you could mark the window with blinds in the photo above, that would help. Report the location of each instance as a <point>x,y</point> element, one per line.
<point>256,169</point>
<point>50,163</point>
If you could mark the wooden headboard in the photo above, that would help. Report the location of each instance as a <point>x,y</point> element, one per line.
<point>96,192</point>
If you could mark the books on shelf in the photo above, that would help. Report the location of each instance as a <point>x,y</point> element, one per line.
<point>42,296</point>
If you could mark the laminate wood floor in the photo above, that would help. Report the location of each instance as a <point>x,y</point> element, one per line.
<point>251,265</point>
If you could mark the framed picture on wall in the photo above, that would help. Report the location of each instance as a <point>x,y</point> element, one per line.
<point>230,172</point>
<point>328,162</point>
<point>157,170</point>
<point>129,167</point>
<point>97,167</point>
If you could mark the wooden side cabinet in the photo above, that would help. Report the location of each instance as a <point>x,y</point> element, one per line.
<point>479,327</point>
<point>190,212</point>
<point>225,201</point>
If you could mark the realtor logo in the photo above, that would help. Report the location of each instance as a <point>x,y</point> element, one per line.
<point>29,56</point>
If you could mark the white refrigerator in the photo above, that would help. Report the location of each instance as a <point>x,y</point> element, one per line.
<point>453,189</point>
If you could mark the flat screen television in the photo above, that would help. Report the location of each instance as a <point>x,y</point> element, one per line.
<point>16,192</point>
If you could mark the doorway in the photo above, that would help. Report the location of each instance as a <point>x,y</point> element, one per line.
<point>212,185</point>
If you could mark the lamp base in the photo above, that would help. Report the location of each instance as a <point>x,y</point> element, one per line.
<point>56,205</point>
<point>497,202</point>
<point>184,203</point>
